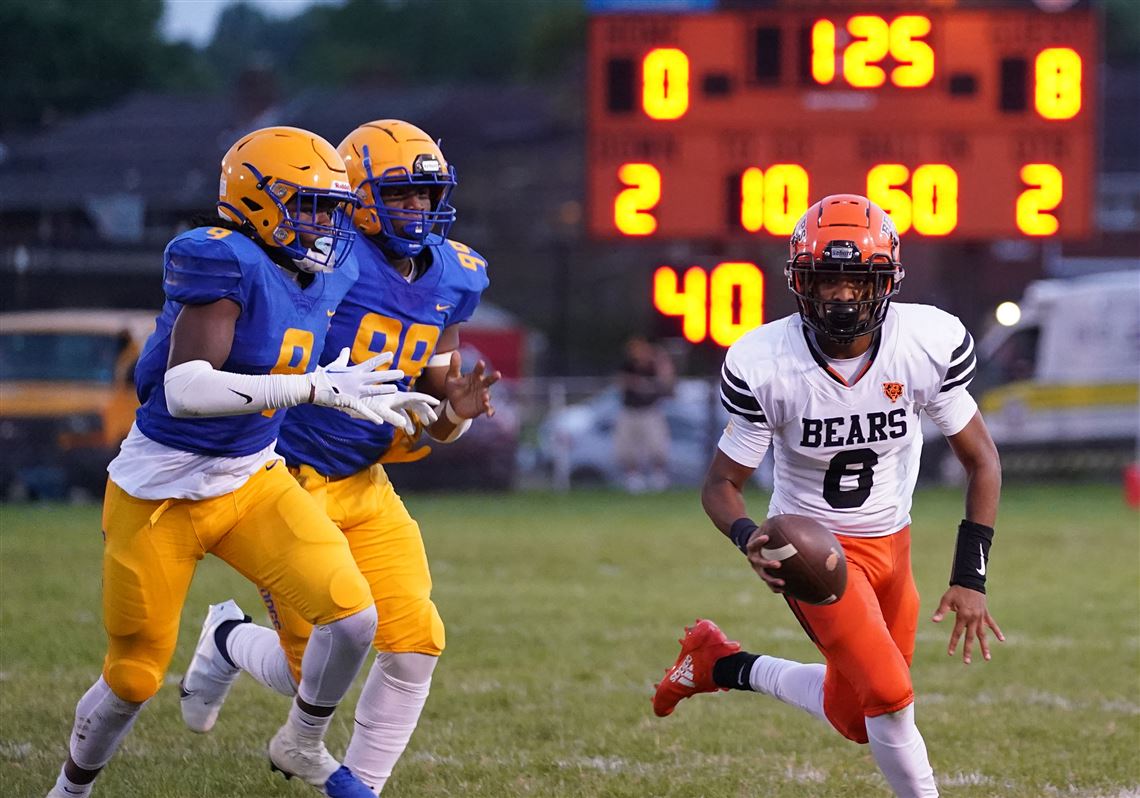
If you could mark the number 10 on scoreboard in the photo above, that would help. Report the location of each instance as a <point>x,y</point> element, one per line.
<point>722,303</point>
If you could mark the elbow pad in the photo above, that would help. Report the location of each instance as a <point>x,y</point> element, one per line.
<point>198,389</point>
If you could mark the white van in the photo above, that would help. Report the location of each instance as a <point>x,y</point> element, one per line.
<point>1060,389</point>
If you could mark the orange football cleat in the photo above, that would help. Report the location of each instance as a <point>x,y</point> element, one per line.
<point>703,644</point>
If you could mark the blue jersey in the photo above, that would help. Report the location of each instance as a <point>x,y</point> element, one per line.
<point>383,312</point>
<point>280,327</point>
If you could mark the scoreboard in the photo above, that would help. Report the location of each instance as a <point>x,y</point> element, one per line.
<point>963,122</point>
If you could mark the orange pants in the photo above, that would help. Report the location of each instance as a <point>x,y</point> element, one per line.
<point>867,637</point>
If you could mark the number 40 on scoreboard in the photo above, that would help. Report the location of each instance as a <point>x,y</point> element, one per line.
<point>720,304</point>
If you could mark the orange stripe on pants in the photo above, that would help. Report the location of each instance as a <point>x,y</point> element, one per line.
<point>867,637</point>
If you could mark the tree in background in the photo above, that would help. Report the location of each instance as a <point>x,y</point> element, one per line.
<point>413,41</point>
<point>65,57</point>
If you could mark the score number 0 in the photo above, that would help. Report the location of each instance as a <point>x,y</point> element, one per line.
<point>721,304</point>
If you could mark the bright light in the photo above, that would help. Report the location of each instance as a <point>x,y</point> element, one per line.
<point>1008,314</point>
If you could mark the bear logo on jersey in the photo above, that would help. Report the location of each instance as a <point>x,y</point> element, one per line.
<point>893,390</point>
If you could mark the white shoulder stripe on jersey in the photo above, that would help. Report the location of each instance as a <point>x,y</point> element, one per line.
<point>964,350</point>
<point>744,399</point>
<point>728,376</point>
<point>962,381</point>
<point>963,364</point>
<point>751,416</point>
<point>738,399</point>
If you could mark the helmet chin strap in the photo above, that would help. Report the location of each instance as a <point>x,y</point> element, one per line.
<point>321,257</point>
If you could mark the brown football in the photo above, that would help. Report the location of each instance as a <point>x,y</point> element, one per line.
<point>812,563</point>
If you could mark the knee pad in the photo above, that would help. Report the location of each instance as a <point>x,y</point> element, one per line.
<point>348,589</point>
<point>413,627</point>
<point>132,680</point>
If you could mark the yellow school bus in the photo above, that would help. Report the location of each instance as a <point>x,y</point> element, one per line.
<point>67,397</point>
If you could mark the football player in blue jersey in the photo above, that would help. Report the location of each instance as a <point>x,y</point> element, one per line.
<point>416,286</point>
<point>249,295</point>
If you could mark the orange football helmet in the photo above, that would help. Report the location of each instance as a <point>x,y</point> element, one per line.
<point>844,234</point>
<point>282,183</point>
<point>389,153</point>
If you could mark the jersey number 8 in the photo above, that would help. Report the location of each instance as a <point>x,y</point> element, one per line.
<point>857,463</point>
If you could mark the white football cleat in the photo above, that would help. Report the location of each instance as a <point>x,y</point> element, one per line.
<point>311,762</point>
<point>208,679</point>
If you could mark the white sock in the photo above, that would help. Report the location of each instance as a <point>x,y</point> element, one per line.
<point>257,651</point>
<point>795,683</point>
<point>387,713</point>
<point>332,659</point>
<point>309,726</point>
<point>900,752</point>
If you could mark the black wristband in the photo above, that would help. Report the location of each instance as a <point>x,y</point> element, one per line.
<point>971,556</point>
<point>741,530</point>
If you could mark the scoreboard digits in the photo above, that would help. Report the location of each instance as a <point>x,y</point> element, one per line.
<point>963,123</point>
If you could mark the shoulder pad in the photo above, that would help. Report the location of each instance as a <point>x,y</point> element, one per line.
<point>944,339</point>
<point>203,265</point>
<point>465,272</point>
<point>472,266</point>
<point>754,356</point>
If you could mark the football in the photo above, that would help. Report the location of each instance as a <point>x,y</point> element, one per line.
<point>812,563</point>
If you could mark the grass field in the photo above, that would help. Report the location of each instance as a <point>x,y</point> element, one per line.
<point>563,610</point>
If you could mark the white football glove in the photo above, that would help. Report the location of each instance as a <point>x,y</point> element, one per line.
<point>345,387</point>
<point>398,408</point>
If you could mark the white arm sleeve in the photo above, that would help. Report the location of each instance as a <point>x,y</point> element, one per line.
<point>198,389</point>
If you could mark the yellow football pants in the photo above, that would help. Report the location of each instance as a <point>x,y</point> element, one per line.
<point>270,530</point>
<point>389,551</point>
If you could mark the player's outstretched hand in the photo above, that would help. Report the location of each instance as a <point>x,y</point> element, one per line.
<point>469,395</point>
<point>970,618</point>
<point>764,567</point>
<point>344,387</point>
<point>398,408</point>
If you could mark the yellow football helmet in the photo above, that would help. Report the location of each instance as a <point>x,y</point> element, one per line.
<point>390,153</point>
<point>285,183</point>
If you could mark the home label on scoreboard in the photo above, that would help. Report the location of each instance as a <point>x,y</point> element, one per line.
<point>967,123</point>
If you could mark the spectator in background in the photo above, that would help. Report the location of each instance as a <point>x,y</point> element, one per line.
<point>641,436</point>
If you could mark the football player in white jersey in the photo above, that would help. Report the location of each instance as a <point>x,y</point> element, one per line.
<point>836,391</point>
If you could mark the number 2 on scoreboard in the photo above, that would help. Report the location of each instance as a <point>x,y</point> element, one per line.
<point>1045,190</point>
<point>633,204</point>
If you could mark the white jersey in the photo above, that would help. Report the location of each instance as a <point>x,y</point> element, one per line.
<point>847,453</point>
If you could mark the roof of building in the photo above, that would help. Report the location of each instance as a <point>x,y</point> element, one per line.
<point>165,147</point>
